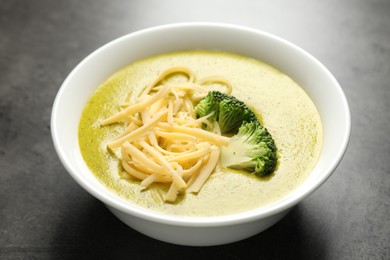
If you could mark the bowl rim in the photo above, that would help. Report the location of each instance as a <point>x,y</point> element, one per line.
<point>178,220</point>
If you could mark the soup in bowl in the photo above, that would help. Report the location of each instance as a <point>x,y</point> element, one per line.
<point>129,125</point>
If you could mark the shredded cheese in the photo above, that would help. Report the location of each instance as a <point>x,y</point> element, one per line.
<point>164,141</point>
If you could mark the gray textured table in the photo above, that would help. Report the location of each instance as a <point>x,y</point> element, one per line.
<point>45,214</point>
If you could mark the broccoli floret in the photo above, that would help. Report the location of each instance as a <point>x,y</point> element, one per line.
<point>210,104</point>
<point>227,110</point>
<point>232,113</point>
<point>252,150</point>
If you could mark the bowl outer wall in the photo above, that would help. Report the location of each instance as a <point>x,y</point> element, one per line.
<point>198,236</point>
<point>271,49</point>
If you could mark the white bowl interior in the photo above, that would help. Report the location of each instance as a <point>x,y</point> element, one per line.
<point>310,74</point>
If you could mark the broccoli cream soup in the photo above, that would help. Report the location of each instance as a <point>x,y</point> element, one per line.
<point>277,102</point>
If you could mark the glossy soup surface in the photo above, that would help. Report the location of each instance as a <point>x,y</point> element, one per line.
<point>283,108</point>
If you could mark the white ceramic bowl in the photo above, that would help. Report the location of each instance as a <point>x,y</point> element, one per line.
<point>308,72</point>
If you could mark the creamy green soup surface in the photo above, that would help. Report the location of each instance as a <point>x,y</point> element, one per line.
<point>283,108</point>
